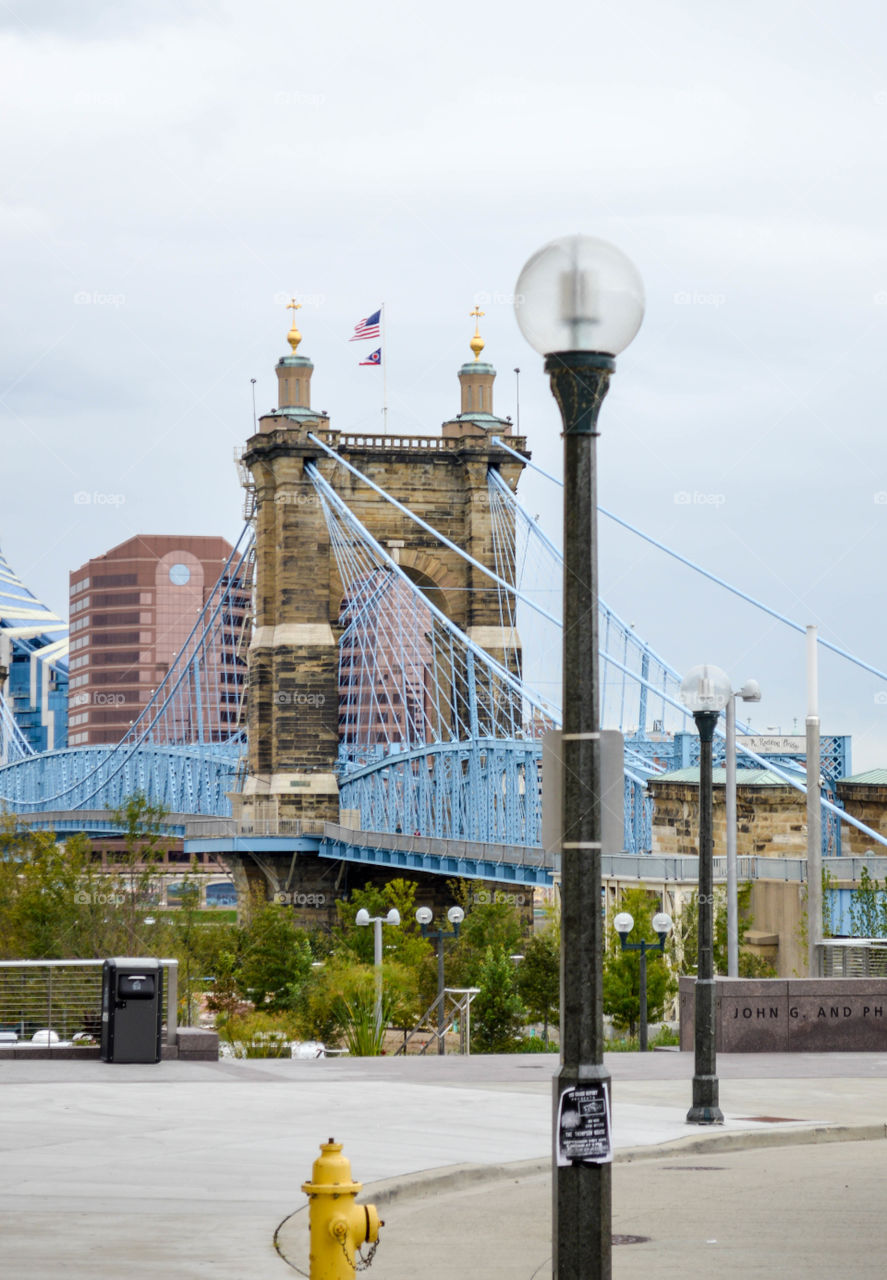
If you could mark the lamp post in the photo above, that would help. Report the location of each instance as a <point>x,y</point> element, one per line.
<point>455,915</point>
<point>363,917</point>
<point>623,924</point>
<point>705,691</point>
<point>579,302</point>
<point>750,692</point>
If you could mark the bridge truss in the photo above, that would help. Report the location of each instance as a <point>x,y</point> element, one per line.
<point>184,749</point>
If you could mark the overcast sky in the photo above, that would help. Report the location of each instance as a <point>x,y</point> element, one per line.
<point>173,170</point>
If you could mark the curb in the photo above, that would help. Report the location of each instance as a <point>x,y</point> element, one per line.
<point>432,1182</point>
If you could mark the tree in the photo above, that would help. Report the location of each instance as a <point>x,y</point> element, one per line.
<point>143,834</point>
<point>339,1004</point>
<point>496,926</point>
<point>868,907</point>
<point>276,959</point>
<point>497,1014</point>
<point>182,941</point>
<point>622,969</point>
<point>683,948</point>
<point>539,979</point>
<point>55,903</point>
<point>401,943</point>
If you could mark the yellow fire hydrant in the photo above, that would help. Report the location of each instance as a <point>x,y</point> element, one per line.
<point>338,1226</point>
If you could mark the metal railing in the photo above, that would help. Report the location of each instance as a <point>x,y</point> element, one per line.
<point>44,999</point>
<point>457,1015</point>
<point>853,958</point>
<point>230,828</point>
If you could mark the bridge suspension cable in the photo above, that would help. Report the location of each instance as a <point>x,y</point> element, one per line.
<point>707,573</point>
<point>197,707</point>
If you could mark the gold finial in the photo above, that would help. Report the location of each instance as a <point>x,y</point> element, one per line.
<point>294,337</point>
<point>477,343</point>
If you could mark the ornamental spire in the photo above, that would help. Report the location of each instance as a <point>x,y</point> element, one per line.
<point>294,337</point>
<point>477,343</point>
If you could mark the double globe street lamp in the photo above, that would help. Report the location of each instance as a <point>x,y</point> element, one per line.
<point>623,924</point>
<point>455,915</point>
<point>579,302</point>
<point>364,918</point>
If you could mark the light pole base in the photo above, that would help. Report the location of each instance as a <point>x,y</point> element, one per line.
<point>705,1115</point>
<point>705,1109</point>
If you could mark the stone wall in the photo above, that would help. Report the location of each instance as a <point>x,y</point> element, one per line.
<point>770,821</point>
<point>868,803</point>
<point>801,1015</point>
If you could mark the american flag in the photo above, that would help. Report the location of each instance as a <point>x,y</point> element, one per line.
<point>368,328</point>
<point>374,358</point>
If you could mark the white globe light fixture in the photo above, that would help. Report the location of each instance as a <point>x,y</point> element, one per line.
<point>662,923</point>
<point>624,923</point>
<point>706,688</point>
<point>579,293</point>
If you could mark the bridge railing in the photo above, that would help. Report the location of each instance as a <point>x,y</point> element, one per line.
<point>474,850</point>
<point>43,998</point>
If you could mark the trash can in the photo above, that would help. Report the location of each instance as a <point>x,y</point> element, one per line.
<point>132,1009</point>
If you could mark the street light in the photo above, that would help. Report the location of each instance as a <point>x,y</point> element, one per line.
<point>363,917</point>
<point>579,301</point>
<point>705,691</point>
<point>623,924</point>
<point>455,915</point>
<point>750,692</point>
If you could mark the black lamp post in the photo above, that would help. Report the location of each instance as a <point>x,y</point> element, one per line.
<point>623,924</point>
<point>705,691</point>
<point>579,301</point>
<point>455,915</point>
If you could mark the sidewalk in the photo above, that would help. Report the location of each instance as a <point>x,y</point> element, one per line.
<point>186,1170</point>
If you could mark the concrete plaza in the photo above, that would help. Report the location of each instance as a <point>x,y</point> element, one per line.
<point>187,1170</point>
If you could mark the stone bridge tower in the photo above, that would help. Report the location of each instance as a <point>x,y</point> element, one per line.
<point>293,696</point>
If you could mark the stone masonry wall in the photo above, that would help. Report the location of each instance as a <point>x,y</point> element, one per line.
<point>771,821</point>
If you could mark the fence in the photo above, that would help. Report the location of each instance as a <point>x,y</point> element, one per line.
<point>43,999</point>
<point>853,958</point>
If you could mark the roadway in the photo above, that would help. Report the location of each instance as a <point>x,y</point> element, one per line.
<point>188,1169</point>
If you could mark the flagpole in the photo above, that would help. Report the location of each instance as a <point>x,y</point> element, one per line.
<point>384,371</point>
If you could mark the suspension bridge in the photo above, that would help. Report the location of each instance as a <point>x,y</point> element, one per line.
<point>403,653</point>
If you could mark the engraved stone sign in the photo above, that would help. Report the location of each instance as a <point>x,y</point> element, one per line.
<point>795,1015</point>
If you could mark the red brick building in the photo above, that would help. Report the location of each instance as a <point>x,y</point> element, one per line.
<point>132,610</point>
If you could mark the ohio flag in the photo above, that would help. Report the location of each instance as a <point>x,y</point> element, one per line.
<point>374,358</point>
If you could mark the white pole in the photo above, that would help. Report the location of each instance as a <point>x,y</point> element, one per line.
<point>377,962</point>
<point>730,801</point>
<point>814,809</point>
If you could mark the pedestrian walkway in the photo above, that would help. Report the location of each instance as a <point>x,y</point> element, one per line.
<point>186,1170</point>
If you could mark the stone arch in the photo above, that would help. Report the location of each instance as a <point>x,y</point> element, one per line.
<point>432,576</point>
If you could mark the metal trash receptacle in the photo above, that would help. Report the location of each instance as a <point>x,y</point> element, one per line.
<point>132,1009</point>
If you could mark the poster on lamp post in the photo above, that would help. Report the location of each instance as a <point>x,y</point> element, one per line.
<point>583,1125</point>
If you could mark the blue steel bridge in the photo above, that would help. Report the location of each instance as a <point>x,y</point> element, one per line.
<point>440,743</point>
